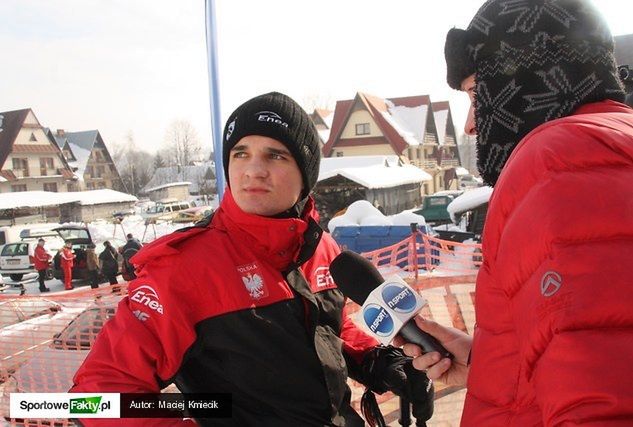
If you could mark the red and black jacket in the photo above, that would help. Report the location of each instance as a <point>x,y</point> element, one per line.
<point>246,306</point>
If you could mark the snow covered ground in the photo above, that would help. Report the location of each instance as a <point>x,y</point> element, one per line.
<point>100,232</point>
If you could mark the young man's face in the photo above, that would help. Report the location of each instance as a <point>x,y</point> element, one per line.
<point>468,86</point>
<point>265,179</point>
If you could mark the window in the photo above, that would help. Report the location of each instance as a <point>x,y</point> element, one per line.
<point>19,187</point>
<point>101,185</point>
<point>362,129</point>
<point>339,154</point>
<point>33,138</point>
<point>50,186</point>
<point>21,165</point>
<point>100,171</point>
<point>46,163</point>
<point>89,171</point>
<point>90,186</point>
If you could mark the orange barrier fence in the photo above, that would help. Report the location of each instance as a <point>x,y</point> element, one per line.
<point>423,252</point>
<point>45,338</point>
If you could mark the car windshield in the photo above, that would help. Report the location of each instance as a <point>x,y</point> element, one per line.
<point>80,334</point>
<point>16,249</point>
<point>72,233</point>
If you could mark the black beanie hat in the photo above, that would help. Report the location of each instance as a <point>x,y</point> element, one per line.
<point>277,116</point>
<point>534,61</point>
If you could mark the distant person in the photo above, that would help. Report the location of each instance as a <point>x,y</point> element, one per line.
<point>131,247</point>
<point>109,262</point>
<point>92,265</point>
<point>67,261</point>
<point>553,337</point>
<point>41,260</point>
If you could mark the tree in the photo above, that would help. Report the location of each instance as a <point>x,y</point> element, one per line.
<point>135,166</point>
<point>159,162</point>
<point>182,145</point>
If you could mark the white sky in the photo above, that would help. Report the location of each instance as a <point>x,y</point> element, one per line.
<point>136,65</point>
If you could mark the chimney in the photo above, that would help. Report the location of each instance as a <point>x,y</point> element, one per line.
<point>60,132</point>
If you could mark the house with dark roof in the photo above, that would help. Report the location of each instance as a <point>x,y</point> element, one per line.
<point>29,160</point>
<point>419,131</point>
<point>89,157</point>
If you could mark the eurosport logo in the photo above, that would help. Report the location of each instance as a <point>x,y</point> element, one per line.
<point>271,117</point>
<point>378,320</point>
<point>399,298</point>
<point>147,296</point>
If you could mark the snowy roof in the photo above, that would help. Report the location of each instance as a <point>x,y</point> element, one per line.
<point>194,174</point>
<point>409,122</point>
<point>324,134</point>
<point>82,155</point>
<point>372,171</point>
<point>460,171</point>
<point>25,199</point>
<point>171,184</point>
<point>469,200</point>
<point>440,117</point>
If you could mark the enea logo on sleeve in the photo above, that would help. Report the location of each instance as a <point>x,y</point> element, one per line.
<point>147,297</point>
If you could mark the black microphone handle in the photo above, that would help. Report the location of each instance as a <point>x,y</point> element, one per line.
<point>412,334</point>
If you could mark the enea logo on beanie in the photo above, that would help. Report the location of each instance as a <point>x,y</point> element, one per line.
<point>399,298</point>
<point>378,320</point>
<point>270,117</point>
<point>230,129</point>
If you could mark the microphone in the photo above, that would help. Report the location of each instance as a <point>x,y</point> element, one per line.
<point>388,306</point>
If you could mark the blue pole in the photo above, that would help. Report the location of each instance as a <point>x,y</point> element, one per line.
<point>214,94</point>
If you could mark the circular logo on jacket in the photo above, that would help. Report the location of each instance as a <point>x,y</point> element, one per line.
<point>550,283</point>
<point>399,298</point>
<point>378,320</point>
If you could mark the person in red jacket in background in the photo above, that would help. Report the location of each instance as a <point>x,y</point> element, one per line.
<point>67,258</point>
<point>553,341</point>
<point>41,260</point>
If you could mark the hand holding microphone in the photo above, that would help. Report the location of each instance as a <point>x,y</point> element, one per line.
<point>387,307</point>
<point>425,341</point>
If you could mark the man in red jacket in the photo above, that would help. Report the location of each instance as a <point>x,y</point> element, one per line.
<point>244,303</point>
<point>41,260</point>
<point>67,261</point>
<point>553,340</point>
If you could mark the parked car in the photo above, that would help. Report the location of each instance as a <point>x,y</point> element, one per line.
<point>18,310</point>
<point>20,340</point>
<point>16,260</point>
<point>166,210</point>
<point>193,214</point>
<point>433,209</point>
<point>79,237</point>
<point>51,367</point>
<point>16,257</point>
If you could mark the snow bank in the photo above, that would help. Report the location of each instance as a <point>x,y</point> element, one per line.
<point>469,200</point>
<point>364,213</point>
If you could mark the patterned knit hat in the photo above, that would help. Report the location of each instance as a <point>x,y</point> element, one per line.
<point>277,116</point>
<point>534,61</point>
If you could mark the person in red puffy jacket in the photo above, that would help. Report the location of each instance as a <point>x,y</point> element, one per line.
<point>67,259</point>
<point>41,260</point>
<point>554,327</point>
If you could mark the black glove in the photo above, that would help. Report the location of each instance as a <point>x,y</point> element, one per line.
<point>388,369</point>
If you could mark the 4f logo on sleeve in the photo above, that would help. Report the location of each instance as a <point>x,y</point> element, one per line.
<point>253,281</point>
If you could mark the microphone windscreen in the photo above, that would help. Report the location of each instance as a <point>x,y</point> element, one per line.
<point>355,276</point>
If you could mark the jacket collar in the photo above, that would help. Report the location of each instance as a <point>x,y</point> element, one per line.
<point>276,240</point>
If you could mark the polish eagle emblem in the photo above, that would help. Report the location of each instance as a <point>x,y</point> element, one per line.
<point>254,285</point>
